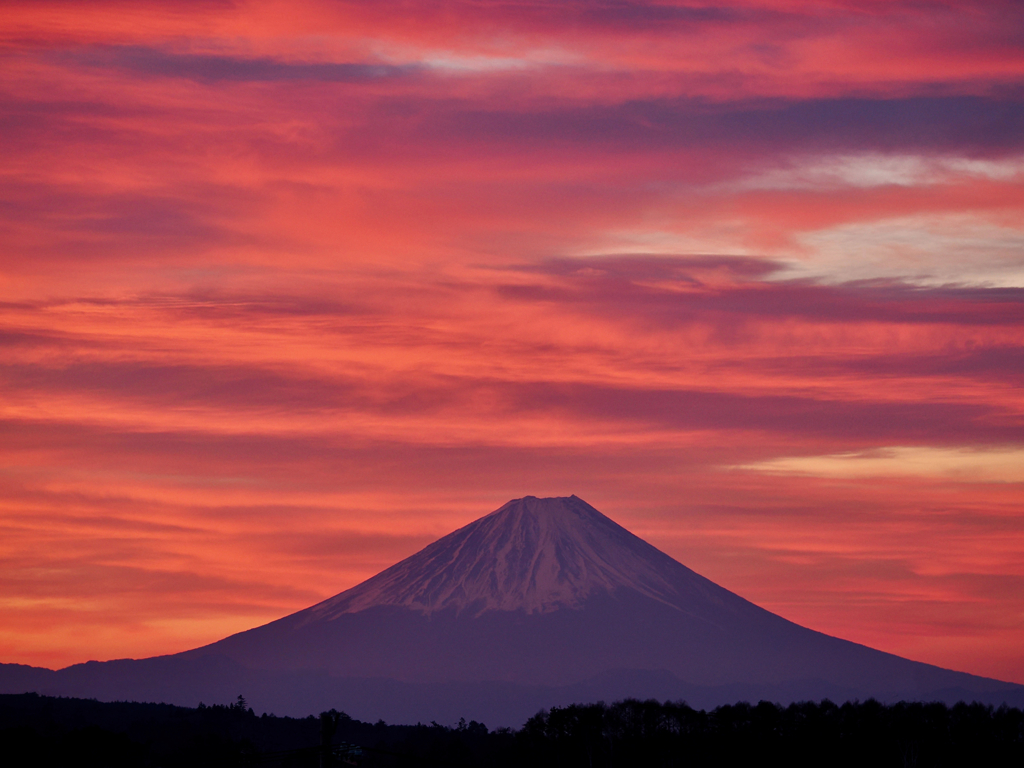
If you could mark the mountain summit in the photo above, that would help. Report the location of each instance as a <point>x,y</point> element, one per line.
<point>533,555</point>
<point>541,602</point>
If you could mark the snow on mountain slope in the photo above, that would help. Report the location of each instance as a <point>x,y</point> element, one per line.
<point>534,555</point>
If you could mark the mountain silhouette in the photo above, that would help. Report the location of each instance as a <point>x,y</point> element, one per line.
<point>542,602</point>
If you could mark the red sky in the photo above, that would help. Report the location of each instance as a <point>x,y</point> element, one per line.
<point>290,289</point>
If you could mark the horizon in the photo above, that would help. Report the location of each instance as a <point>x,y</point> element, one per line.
<point>290,290</point>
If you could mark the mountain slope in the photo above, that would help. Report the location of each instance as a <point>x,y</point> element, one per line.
<point>543,601</point>
<point>533,555</point>
<point>550,591</point>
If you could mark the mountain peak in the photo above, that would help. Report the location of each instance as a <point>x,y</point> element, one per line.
<point>570,510</point>
<point>533,554</point>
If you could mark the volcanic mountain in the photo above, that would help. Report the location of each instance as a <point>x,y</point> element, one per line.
<point>541,602</point>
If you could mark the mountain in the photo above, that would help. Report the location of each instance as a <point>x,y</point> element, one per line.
<point>542,602</point>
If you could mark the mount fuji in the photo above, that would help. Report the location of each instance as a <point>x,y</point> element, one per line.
<point>542,602</point>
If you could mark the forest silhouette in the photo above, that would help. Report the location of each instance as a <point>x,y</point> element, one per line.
<point>49,731</point>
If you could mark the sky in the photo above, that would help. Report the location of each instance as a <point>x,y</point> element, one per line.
<point>288,290</point>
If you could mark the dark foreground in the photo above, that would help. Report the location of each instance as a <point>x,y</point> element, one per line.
<point>46,731</point>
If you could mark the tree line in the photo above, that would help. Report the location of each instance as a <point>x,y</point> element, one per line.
<point>54,731</point>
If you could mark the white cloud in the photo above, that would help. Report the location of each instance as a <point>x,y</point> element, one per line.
<point>1005,464</point>
<point>928,250</point>
<point>875,170</point>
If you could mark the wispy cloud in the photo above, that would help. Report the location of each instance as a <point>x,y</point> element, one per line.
<point>965,465</point>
